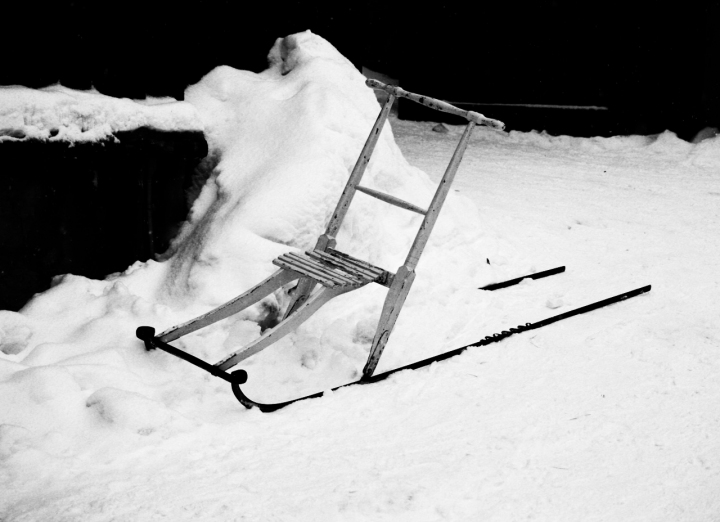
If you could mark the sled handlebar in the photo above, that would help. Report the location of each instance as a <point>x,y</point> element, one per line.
<point>433,103</point>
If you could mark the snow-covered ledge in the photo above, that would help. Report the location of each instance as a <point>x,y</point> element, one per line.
<point>61,114</point>
<point>93,183</point>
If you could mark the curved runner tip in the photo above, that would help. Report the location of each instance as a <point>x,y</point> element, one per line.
<point>249,403</point>
<point>266,408</point>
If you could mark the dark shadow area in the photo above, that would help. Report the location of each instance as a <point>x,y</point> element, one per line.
<point>94,209</point>
<point>89,209</point>
<point>651,64</point>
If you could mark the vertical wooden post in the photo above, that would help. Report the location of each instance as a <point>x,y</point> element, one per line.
<point>438,199</point>
<point>327,240</point>
<point>406,274</point>
<point>400,288</point>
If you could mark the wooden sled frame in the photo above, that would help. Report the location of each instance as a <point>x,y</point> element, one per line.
<point>334,272</point>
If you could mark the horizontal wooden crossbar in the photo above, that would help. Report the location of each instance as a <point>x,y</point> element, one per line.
<point>387,198</point>
<point>436,104</point>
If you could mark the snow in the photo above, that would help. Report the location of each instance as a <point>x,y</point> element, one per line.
<point>57,113</point>
<point>606,416</point>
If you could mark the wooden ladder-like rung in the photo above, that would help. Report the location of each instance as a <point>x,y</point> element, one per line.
<point>392,200</point>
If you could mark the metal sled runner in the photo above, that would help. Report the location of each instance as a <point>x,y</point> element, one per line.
<point>324,272</point>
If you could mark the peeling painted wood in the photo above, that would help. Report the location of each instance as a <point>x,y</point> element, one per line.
<point>436,104</point>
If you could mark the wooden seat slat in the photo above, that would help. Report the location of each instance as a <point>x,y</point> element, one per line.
<point>319,277</point>
<point>341,276</point>
<point>344,265</point>
<point>360,263</point>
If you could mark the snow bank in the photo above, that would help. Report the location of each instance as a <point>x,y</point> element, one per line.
<point>286,140</point>
<point>60,114</point>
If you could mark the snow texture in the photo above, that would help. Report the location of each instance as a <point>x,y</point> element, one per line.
<point>607,416</point>
<point>57,113</point>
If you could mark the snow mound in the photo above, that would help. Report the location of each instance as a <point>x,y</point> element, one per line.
<point>285,141</point>
<point>706,153</point>
<point>57,113</point>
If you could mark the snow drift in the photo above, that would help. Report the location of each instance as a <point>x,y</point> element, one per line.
<point>286,140</point>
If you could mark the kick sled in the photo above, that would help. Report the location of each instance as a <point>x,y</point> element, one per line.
<point>325,272</point>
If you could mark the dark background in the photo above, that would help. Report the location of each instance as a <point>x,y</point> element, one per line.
<point>95,208</point>
<point>653,64</point>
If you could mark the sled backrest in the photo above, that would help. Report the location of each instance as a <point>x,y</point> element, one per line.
<point>327,240</point>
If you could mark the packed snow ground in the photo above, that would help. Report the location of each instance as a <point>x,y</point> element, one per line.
<point>607,416</point>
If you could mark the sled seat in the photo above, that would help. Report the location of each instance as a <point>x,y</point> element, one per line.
<point>333,268</point>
